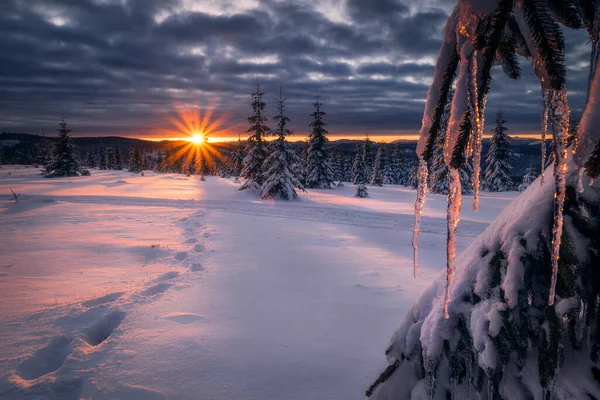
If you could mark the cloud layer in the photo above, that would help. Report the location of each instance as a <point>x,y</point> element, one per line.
<point>122,67</point>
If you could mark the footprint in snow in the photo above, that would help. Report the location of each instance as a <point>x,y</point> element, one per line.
<point>45,360</point>
<point>196,267</point>
<point>199,248</point>
<point>102,329</point>
<point>156,289</point>
<point>207,234</point>
<point>191,240</point>
<point>167,276</point>
<point>181,255</point>
<point>109,298</point>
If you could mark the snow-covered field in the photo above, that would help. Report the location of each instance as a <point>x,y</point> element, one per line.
<point>119,286</point>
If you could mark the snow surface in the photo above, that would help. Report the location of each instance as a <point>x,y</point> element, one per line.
<point>121,286</point>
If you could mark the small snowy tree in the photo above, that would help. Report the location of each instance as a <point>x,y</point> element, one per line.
<point>237,158</point>
<point>398,167</point>
<point>65,161</point>
<point>90,160</point>
<point>497,174</point>
<point>110,158</point>
<point>412,178</point>
<point>118,158</point>
<point>280,166</point>
<point>319,173</point>
<point>528,178</point>
<point>360,169</point>
<point>339,167</point>
<point>43,152</point>
<point>102,161</point>
<point>379,167</point>
<point>135,162</point>
<point>256,149</point>
<point>369,157</point>
<point>358,159</point>
<point>389,175</point>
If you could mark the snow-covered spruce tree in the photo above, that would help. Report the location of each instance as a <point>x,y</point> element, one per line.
<point>280,166</point>
<point>379,166</point>
<point>43,152</point>
<point>256,148</point>
<point>118,158</point>
<point>135,162</point>
<point>110,158</point>
<point>517,321</point>
<point>358,158</point>
<point>237,158</point>
<point>412,180</point>
<point>65,161</point>
<point>398,167</point>
<point>497,174</point>
<point>336,165</point>
<point>529,177</point>
<point>319,174</point>
<point>339,167</point>
<point>360,173</point>
<point>369,157</point>
<point>90,160</point>
<point>389,175</point>
<point>102,161</point>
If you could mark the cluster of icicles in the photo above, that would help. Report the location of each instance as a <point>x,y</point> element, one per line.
<point>555,110</point>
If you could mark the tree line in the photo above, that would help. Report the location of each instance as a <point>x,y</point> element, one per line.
<point>278,169</point>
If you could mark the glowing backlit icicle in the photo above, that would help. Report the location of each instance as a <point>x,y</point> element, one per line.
<point>477,135</point>
<point>559,114</point>
<point>419,203</point>
<point>453,217</point>
<point>545,115</point>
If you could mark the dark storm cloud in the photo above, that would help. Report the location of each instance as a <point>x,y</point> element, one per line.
<point>118,67</point>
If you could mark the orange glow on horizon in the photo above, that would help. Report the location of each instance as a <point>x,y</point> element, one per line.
<point>382,138</point>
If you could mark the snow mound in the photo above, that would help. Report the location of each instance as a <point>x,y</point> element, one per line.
<point>498,314</point>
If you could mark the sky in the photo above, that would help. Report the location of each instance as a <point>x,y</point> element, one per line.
<point>163,68</point>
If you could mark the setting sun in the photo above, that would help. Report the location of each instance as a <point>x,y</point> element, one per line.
<point>197,138</point>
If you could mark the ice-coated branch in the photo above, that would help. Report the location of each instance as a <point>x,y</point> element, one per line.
<point>437,96</point>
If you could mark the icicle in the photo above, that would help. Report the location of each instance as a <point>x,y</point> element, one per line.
<point>453,216</point>
<point>580,171</point>
<point>475,144</point>
<point>545,115</point>
<point>490,389</point>
<point>419,203</point>
<point>559,112</point>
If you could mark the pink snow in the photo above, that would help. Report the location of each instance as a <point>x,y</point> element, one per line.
<point>162,286</point>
